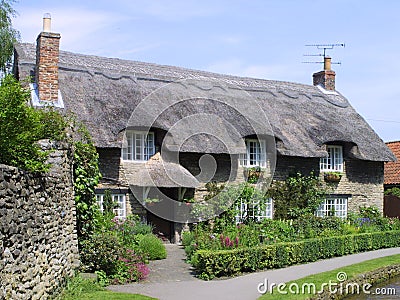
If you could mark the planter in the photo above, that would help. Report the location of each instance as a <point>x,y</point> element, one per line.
<point>332,177</point>
<point>253,174</point>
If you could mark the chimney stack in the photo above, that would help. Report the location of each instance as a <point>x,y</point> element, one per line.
<point>325,78</point>
<point>47,57</point>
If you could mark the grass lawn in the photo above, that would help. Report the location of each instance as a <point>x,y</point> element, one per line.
<point>318,279</point>
<point>85,289</point>
<point>101,295</point>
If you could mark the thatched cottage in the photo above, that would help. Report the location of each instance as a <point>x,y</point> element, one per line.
<point>173,129</point>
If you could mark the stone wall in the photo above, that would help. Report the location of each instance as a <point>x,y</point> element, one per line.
<point>349,287</point>
<point>38,239</point>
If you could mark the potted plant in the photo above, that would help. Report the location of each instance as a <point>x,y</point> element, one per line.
<point>151,201</point>
<point>332,176</point>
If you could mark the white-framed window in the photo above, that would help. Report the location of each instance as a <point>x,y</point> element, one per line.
<point>333,206</point>
<point>254,211</point>
<point>140,145</point>
<point>334,161</point>
<point>119,199</point>
<point>256,154</point>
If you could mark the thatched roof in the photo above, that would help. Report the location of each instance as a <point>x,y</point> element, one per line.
<point>161,173</point>
<point>104,92</point>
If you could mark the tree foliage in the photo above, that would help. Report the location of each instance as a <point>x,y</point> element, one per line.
<point>395,191</point>
<point>296,196</point>
<point>8,35</point>
<point>21,126</point>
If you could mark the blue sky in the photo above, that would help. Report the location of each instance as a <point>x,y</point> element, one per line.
<point>259,38</point>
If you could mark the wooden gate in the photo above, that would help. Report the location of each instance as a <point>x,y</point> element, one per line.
<point>391,206</point>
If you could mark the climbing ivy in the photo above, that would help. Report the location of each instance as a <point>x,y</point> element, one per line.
<point>297,196</point>
<point>86,177</point>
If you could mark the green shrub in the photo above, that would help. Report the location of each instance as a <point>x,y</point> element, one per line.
<point>101,253</point>
<point>211,263</point>
<point>152,247</point>
<point>21,126</point>
<point>128,230</point>
<point>187,238</point>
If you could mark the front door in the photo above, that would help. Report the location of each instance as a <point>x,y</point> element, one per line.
<point>161,227</point>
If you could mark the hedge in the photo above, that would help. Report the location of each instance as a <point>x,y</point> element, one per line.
<point>217,263</point>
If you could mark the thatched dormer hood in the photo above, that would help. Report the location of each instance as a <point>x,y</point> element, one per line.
<point>103,92</point>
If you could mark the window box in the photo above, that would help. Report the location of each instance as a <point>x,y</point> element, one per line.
<point>252,175</point>
<point>332,176</point>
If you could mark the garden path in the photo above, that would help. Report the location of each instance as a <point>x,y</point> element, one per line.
<point>185,286</point>
<point>173,268</point>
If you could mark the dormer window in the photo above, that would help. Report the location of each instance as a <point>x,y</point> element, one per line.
<point>255,156</point>
<point>140,146</point>
<point>334,161</point>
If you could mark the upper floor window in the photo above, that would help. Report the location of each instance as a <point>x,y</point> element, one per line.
<point>255,156</point>
<point>333,206</point>
<point>334,161</point>
<point>118,199</point>
<point>140,146</point>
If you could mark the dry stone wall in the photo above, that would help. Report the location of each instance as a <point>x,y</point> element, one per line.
<point>38,239</point>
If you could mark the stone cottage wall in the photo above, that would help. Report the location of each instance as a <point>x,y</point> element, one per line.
<point>362,180</point>
<point>38,239</point>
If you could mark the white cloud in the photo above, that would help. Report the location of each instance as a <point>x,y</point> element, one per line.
<point>75,25</point>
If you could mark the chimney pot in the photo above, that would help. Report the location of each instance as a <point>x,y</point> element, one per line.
<point>47,22</point>
<point>327,63</point>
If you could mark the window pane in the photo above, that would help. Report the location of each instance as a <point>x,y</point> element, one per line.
<point>333,206</point>
<point>334,161</point>
<point>255,154</point>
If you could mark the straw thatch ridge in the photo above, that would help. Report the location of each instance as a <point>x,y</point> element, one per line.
<point>103,92</point>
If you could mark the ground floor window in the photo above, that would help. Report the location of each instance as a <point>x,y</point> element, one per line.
<point>119,199</point>
<point>254,211</point>
<point>333,206</point>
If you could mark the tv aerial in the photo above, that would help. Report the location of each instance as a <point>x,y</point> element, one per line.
<point>323,48</point>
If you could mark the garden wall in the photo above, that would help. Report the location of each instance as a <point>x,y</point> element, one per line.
<point>38,239</point>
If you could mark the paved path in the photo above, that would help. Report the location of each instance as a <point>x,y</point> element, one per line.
<point>174,287</point>
<point>173,268</point>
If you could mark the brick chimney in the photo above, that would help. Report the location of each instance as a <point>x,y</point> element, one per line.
<point>47,56</point>
<point>325,78</point>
